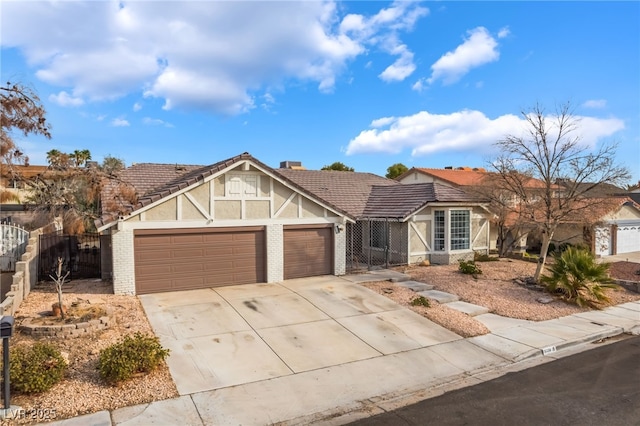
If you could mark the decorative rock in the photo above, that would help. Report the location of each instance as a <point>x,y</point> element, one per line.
<point>545,300</point>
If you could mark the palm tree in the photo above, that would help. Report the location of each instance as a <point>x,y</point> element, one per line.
<point>578,278</point>
<point>80,157</point>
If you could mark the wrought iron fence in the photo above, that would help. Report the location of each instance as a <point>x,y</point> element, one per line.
<point>376,243</point>
<point>13,243</point>
<point>80,255</point>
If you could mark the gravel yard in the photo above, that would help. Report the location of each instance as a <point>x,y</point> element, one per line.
<point>493,289</point>
<point>82,391</point>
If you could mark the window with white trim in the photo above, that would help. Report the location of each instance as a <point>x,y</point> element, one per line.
<point>451,230</point>
<point>460,229</point>
<point>438,230</point>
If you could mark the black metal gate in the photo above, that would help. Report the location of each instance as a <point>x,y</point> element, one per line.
<point>80,255</point>
<point>376,243</point>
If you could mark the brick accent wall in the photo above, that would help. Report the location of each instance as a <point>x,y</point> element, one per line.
<point>340,252</point>
<point>275,253</point>
<point>124,273</point>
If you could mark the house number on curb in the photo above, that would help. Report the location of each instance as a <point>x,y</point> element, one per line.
<point>548,350</point>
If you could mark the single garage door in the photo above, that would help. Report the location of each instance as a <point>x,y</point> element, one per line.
<point>308,251</point>
<point>628,238</point>
<point>187,259</point>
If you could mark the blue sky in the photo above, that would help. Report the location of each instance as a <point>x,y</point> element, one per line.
<point>427,84</point>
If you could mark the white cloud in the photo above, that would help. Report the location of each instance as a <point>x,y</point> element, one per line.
<point>156,122</point>
<point>382,29</point>
<point>195,55</point>
<point>120,122</point>
<point>478,49</point>
<point>467,130</point>
<point>595,103</point>
<point>504,32</point>
<point>137,107</point>
<point>402,68</point>
<point>64,99</point>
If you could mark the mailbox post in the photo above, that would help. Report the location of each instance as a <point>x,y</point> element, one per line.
<point>6,331</point>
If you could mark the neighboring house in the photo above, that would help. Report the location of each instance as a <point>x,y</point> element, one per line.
<point>615,213</point>
<point>619,229</point>
<point>14,193</point>
<point>12,181</point>
<point>239,221</point>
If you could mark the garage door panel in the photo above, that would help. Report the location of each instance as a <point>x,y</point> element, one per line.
<point>198,260</point>
<point>628,238</point>
<point>158,241</point>
<point>308,252</point>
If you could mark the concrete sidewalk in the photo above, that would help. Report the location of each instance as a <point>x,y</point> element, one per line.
<point>363,387</point>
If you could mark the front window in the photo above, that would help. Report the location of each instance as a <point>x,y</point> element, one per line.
<point>460,232</point>
<point>452,227</point>
<point>438,234</point>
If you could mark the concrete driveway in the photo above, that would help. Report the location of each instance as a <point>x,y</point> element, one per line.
<point>633,256</point>
<point>235,335</point>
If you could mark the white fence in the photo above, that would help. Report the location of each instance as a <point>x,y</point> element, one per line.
<point>13,244</point>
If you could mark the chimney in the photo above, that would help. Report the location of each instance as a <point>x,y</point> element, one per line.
<point>293,165</point>
<point>448,168</point>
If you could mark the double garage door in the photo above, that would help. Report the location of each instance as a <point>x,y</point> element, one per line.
<point>187,259</point>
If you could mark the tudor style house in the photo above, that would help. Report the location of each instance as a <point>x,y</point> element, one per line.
<point>240,221</point>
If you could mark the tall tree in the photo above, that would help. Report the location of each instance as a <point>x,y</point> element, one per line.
<point>74,193</point>
<point>550,150</point>
<point>396,170</point>
<point>21,111</point>
<point>339,167</point>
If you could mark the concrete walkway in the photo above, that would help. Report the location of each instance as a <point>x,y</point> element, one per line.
<point>324,350</point>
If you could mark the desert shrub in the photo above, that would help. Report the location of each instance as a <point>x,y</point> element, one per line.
<point>421,301</point>
<point>35,368</point>
<point>134,354</point>
<point>578,278</point>
<point>469,268</point>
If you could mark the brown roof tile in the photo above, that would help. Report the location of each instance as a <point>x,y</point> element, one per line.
<point>348,191</point>
<point>401,201</point>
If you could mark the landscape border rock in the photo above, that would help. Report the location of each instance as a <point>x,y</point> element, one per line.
<point>629,285</point>
<point>68,330</point>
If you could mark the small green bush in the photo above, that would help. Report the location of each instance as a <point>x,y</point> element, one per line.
<point>421,301</point>
<point>134,354</point>
<point>35,368</point>
<point>469,268</point>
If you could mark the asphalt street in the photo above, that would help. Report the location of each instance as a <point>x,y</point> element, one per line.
<point>596,387</point>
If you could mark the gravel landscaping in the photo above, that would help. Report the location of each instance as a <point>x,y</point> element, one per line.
<point>83,391</point>
<point>495,290</point>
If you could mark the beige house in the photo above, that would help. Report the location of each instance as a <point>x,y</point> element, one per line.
<point>239,221</point>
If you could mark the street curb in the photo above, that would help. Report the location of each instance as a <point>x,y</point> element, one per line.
<point>384,403</point>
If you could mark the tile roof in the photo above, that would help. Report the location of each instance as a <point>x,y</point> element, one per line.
<point>348,191</point>
<point>463,177</point>
<point>145,177</point>
<point>466,176</point>
<point>399,202</point>
<point>195,174</point>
